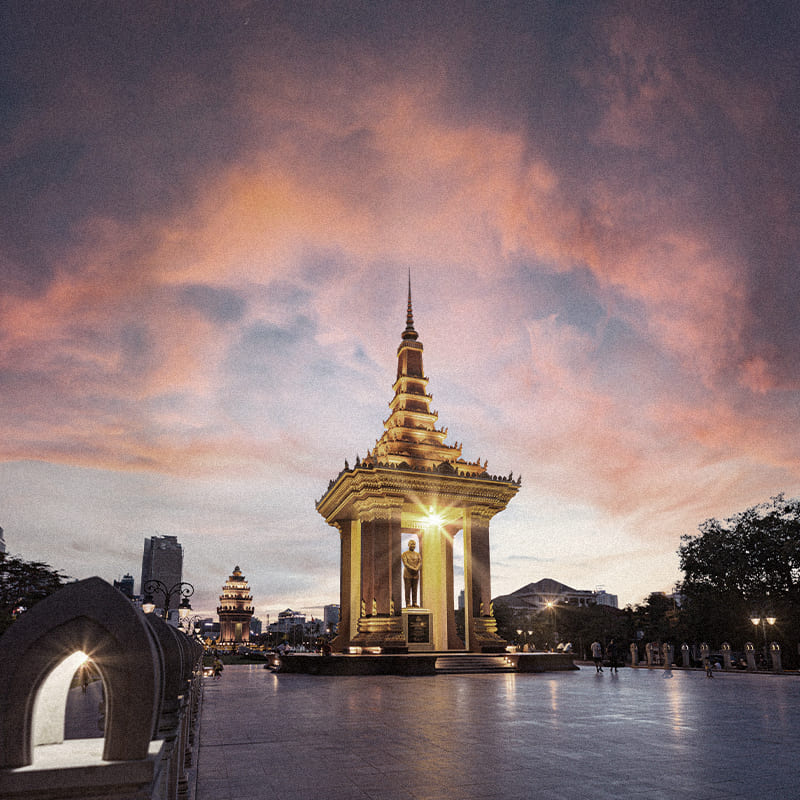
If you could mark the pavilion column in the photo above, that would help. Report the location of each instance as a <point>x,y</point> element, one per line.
<point>481,578</point>
<point>453,642</point>
<point>481,627</point>
<point>395,563</point>
<point>367,566</point>
<point>349,582</point>
<point>382,566</point>
<point>379,624</point>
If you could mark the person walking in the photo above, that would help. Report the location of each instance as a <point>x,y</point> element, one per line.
<point>613,656</point>
<point>597,655</point>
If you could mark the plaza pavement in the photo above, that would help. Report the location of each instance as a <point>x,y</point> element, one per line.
<point>639,734</point>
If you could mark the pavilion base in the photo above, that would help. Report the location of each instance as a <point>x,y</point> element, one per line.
<point>484,638</point>
<point>384,632</point>
<point>417,664</point>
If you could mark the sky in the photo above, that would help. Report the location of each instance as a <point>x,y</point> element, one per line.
<point>210,212</point>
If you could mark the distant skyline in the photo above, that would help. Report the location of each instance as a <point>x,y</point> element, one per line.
<point>209,214</point>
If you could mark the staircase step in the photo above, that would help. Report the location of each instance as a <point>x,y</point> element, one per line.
<point>472,664</point>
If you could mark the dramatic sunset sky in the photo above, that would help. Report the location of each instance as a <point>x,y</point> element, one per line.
<point>209,212</point>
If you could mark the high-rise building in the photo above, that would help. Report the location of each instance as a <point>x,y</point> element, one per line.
<point>125,585</point>
<point>163,561</point>
<point>2,542</point>
<point>330,618</point>
<point>235,609</point>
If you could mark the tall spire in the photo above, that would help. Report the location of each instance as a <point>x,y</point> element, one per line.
<point>409,332</point>
<point>410,436</point>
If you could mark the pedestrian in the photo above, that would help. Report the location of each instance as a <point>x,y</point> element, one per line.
<point>613,656</point>
<point>217,669</point>
<point>597,655</point>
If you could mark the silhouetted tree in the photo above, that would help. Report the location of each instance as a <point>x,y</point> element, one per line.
<point>748,565</point>
<point>23,584</point>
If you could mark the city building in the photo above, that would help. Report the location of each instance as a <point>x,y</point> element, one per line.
<point>2,542</point>
<point>287,621</point>
<point>548,592</point>
<point>235,610</point>
<point>162,561</point>
<point>330,618</point>
<point>125,585</point>
<point>208,628</point>
<point>603,598</point>
<point>412,486</point>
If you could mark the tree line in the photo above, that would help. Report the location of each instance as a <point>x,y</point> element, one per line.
<point>735,570</point>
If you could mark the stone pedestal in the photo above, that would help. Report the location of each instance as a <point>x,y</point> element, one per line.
<point>418,628</point>
<point>484,638</point>
<point>775,655</point>
<point>385,632</point>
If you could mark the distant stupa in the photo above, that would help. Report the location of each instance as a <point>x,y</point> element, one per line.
<point>235,609</point>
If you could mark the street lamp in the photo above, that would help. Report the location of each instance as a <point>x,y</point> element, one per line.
<point>552,606</point>
<point>764,621</point>
<point>185,590</point>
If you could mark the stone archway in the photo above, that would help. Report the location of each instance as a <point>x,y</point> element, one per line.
<point>93,618</point>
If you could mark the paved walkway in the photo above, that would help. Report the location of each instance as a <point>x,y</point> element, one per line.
<point>639,734</point>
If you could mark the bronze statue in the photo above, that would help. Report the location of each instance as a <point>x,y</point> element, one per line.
<point>412,564</point>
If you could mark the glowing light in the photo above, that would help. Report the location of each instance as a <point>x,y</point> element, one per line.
<point>434,519</point>
<point>772,620</point>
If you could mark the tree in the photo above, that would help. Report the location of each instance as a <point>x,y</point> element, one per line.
<point>578,625</point>
<point>748,565</point>
<point>23,584</point>
<point>656,618</point>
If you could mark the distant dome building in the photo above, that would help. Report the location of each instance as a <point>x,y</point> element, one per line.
<point>235,609</point>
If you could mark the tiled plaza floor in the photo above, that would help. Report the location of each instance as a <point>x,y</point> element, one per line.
<point>639,734</point>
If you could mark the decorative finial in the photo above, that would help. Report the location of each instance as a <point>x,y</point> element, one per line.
<point>409,332</point>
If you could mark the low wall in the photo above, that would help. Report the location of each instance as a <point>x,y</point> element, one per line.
<point>341,664</point>
<point>543,662</point>
<point>151,679</point>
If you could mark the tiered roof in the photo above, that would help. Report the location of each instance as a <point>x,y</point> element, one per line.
<point>236,597</point>
<point>410,438</point>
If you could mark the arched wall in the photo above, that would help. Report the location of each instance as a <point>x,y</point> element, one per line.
<point>94,617</point>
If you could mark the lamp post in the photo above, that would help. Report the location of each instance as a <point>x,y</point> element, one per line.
<point>763,621</point>
<point>184,589</point>
<point>552,606</point>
